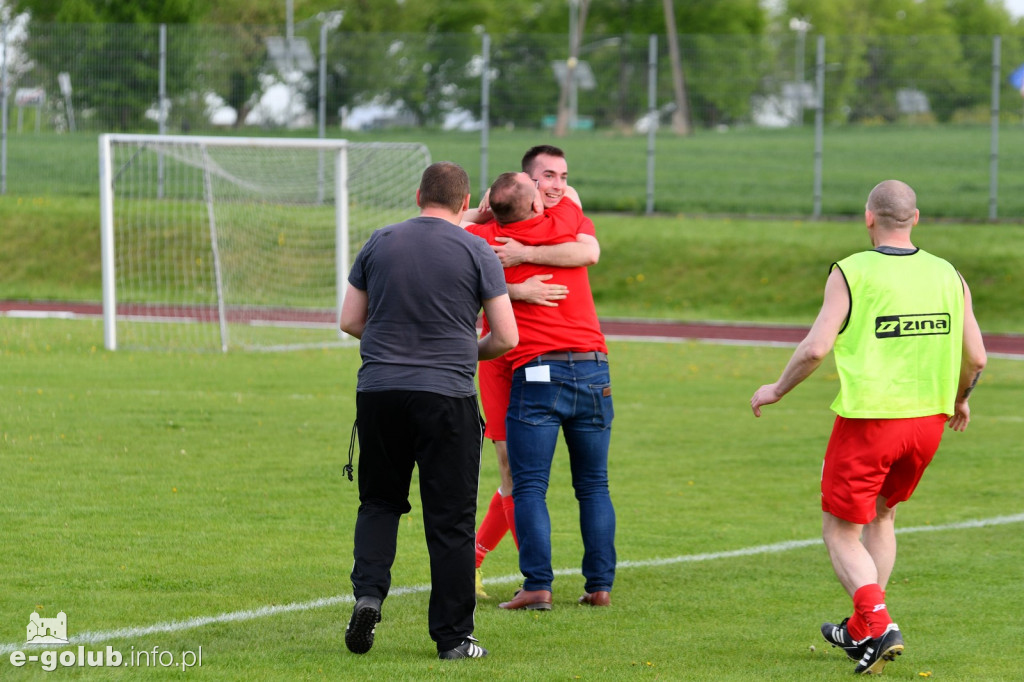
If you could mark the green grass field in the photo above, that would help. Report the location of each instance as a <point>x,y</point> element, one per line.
<point>179,501</point>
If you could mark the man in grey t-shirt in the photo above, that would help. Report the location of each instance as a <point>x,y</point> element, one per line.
<point>414,294</point>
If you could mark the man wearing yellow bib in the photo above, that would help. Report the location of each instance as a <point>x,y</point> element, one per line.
<point>909,352</point>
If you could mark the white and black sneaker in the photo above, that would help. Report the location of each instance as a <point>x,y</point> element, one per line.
<point>880,650</point>
<point>470,648</point>
<point>362,625</point>
<point>839,636</point>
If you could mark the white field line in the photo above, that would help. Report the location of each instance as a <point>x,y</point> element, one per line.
<point>294,607</point>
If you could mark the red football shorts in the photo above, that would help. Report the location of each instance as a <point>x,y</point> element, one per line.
<point>868,458</point>
<point>495,387</point>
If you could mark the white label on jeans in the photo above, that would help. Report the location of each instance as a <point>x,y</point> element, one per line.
<point>538,373</point>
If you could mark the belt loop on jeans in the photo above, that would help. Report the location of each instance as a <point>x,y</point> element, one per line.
<point>573,356</point>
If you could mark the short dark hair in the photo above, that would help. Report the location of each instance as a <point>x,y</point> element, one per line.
<point>510,199</point>
<point>444,184</point>
<point>541,149</point>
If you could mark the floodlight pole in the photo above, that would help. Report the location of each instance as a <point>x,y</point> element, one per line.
<point>819,125</point>
<point>993,182</point>
<point>652,115</point>
<point>289,36</point>
<point>574,42</point>
<point>485,110</point>
<point>328,22</point>
<point>289,18</point>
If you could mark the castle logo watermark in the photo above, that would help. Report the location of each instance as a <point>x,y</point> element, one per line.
<point>47,630</point>
<point>54,631</point>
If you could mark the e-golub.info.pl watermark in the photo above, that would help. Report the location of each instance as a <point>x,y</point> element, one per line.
<point>41,631</point>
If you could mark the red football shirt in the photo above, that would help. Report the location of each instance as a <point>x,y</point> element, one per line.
<point>571,325</point>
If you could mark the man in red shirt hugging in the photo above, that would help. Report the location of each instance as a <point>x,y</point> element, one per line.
<point>548,168</point>
<point>560,381</point>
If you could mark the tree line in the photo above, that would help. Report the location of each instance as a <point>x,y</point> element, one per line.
<point>421,50</point>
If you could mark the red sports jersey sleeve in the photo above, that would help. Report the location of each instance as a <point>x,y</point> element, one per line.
<point>572,324</point>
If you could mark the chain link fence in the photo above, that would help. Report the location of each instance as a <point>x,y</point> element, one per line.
<point>763,110</point>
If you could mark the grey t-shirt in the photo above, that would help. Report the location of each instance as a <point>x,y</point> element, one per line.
<point>425,280</point>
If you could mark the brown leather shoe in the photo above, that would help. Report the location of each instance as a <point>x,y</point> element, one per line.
<point>532,600</point>
<point>596,599</point>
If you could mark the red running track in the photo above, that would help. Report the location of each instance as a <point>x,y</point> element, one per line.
<point>725,332</point>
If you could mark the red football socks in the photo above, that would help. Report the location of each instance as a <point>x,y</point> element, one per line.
<point>870,617</point>
<point>492,528</point>
<point>508,505</point>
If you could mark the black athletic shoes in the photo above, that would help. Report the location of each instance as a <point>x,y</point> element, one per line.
<point>363,624</point>
<point>871,654</point>
<point>469,648</point>
<point>839,636</point>
<point>880,650</point>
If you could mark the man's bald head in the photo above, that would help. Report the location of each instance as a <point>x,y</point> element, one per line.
<point>893,205</point>
<point>512,198</point>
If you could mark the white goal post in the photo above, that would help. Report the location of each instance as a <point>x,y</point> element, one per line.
<point>212,243</point>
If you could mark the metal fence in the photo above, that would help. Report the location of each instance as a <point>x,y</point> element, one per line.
<point>64,82</point>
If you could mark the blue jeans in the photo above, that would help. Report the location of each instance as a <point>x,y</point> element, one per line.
<point>578,400</point>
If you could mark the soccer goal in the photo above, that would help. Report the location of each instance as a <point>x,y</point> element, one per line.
<point>213,243</point>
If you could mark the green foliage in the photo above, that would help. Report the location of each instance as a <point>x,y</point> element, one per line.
<point>722,17</point>
<point>104,11</point>
<point>723,86</point>
<point>261,12</point>
<point>424,56</point>
<point>426,62</point>
<point>517,60</point>
<point>114,70</point>
<point>940,48</point>
<point>76,11</point>
<point>228,60</point>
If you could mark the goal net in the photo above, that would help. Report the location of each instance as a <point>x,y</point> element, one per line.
<point>212,243</point>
